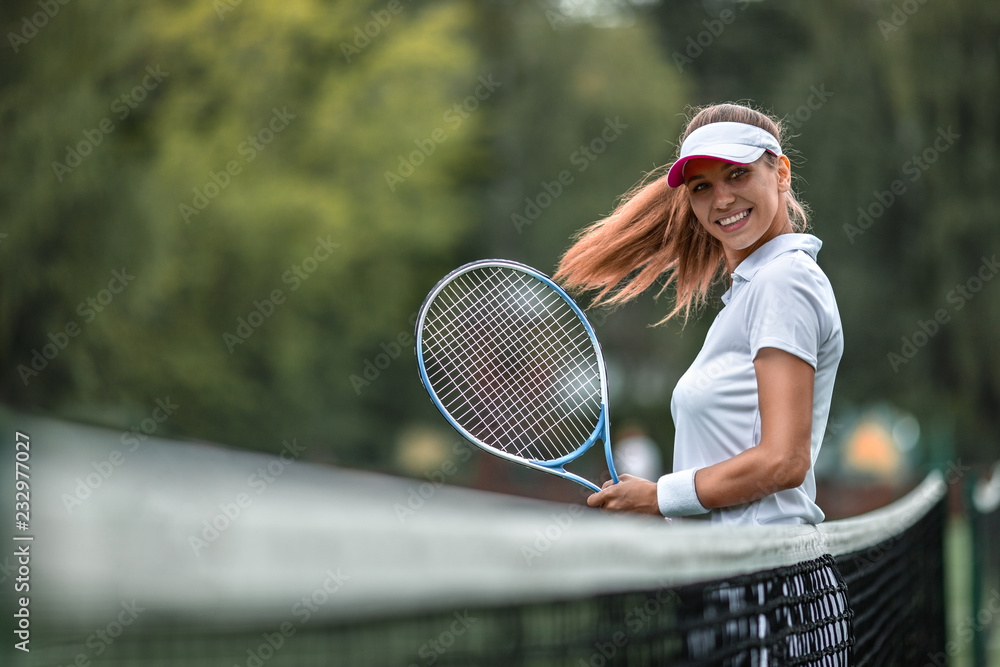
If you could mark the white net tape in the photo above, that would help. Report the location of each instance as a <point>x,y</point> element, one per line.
<point>180,528</point>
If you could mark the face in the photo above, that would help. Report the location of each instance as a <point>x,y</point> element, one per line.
<point>741,205</point>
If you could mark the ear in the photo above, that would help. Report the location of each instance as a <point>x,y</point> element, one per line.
<point>784,169</point>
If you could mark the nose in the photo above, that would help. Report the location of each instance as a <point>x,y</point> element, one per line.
<point>723,197</point>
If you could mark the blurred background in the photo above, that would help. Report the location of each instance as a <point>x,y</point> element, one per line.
<point>236,208</point>
<point>219,218</point>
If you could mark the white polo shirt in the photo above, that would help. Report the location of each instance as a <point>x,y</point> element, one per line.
<point>779,298</point>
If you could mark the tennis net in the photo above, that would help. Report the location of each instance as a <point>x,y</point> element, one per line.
<point>184,554</point>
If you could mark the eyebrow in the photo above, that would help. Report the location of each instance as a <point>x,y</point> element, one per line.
<point>726,165</point>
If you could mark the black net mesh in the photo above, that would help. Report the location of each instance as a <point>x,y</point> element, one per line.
<point>896,590</point>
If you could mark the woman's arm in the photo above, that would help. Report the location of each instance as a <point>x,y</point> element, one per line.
<point>781,460</point>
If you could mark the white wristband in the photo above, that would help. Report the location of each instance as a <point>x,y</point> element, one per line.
<point>676,495</point>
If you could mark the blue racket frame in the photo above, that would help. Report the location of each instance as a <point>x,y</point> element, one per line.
<point>602,431</point>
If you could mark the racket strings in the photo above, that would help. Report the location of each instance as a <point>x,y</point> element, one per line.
<point>512,362</point>
<point>552,416</point>
<point>562,332</point>
<point>491,370</point>
<point>505,423</point>
<point>476,373</point>
<point>566,319</point>
<point>497,423</point>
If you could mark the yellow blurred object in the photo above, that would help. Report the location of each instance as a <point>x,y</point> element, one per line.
<point>420,449</point>
<point>872,450</point>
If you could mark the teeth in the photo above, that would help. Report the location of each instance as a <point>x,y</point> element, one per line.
<point>725,222</point>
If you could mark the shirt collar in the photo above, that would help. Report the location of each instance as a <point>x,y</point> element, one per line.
<point>779,245</point>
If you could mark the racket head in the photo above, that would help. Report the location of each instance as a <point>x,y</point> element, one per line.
<point>513,364</point>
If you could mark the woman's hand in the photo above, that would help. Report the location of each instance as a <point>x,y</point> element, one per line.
<point>630,494</point>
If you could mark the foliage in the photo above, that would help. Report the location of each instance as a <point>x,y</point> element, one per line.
<point>348,154</point>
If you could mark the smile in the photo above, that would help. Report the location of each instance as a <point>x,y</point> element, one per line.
<point>735,218</point>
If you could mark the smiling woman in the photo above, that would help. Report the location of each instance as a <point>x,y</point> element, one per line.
<point>751,411</point>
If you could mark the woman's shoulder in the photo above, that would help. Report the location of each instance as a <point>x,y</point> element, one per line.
<point>792,270</point>
<point>792,294</point>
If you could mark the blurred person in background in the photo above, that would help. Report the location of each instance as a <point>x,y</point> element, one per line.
<point>636,454</point>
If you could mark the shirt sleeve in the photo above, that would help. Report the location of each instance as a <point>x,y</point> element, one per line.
<point>785,309</point>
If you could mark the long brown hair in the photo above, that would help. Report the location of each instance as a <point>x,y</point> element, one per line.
<point>654,232</point>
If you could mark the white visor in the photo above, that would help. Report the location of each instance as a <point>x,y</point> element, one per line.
<point>733,142</point>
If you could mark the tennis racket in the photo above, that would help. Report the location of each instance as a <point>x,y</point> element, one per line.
<point>513,364</point>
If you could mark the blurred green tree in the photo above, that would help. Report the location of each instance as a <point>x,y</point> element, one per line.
<point>243,188</point>
<point>240,207</point>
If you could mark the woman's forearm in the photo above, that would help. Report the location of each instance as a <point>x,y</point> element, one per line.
<point>748,476</point>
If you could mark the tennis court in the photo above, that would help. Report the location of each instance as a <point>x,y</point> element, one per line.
<point>239,237</point>
<point>193,554</point>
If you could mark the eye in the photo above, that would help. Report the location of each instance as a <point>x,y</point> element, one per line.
<point>699,187</point>
<point>738,172</point>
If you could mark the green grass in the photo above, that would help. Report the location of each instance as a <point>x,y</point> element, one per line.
<point>958,589</point>
<point>958,581</point>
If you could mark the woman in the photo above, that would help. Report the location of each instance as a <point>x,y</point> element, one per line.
<point>751,411</point>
